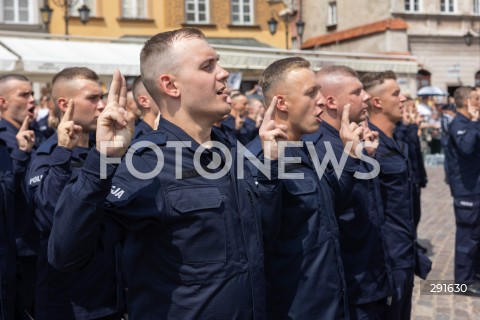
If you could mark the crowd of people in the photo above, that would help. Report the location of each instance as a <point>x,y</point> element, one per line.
<point>182,199</point>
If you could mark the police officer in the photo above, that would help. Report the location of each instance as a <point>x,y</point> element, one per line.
<point>17,104</point>
<point>193,248</point>
<point>303,267</point>
<point>10,167</point>
<point>385,108</point>
<point>365,259</point>
<point>407,131</point>
<point>147,106</point>
<point>92,292</point>
<point>464,178</point>
<point>236,124</point>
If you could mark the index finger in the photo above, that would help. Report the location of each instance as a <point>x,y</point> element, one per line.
<point>68,116</point>
<point>269,113</point>
<point>346,115</point>
<point>115,87</point>
<point>25,123</point>
<point>122,101</point>
<point>365,122</point>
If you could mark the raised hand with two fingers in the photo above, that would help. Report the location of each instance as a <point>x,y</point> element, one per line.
<point>115,125</point>
<point>472,110</point>
<point>25,137</point>
<point>271,133</point>
<point>67,131</point>
<point>350,132</point>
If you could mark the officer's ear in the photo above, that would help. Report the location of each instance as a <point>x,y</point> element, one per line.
<point>144,101</point>
<point>3,103</point>
<point>167,84</point>
<point>281,103</point>
<point>376,102</point>
<point>62,104</point>
<point>331,103</point>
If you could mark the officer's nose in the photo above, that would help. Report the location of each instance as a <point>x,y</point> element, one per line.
<point>100,105</point>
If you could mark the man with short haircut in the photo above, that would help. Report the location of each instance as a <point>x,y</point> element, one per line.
<point>17,105</point>
<point>385,109</point>
<point>463,156</point>
<point>244,131</point>
<point>193,246</point>
<point>147,106</point>
<point>303,266</point>
<point>364,255</point>
<point>407,131</point>
<point>92,292</point>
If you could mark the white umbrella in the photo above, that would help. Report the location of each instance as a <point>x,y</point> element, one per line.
<point>431,91</point>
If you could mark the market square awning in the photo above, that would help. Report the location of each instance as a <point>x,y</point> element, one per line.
<point>51,56</point>
<point>48,56</point>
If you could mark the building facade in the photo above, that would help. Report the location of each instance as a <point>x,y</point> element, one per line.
<point>238,29</point>
<point>431,30</point>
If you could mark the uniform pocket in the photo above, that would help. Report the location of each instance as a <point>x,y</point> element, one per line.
<point>467,211</point>
<point>197,224</point>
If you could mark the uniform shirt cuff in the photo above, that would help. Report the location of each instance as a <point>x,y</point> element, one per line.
<point>20,155</point>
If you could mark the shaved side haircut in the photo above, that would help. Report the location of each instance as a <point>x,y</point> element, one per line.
<point>277,72</point>
<point>159,57</point>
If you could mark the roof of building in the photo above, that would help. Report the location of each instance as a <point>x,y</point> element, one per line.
<point>357,32</point>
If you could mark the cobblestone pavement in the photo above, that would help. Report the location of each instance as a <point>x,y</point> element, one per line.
<point>437,232</point>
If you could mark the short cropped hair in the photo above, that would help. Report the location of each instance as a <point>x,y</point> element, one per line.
<point>277,71</point>
<point>9,77</point>
<point>337,70</point>
<point>137,83</point>
<point>373,79</point>
<point>461,94</point>
<point>157,55</point>
<point>75,73</point>
<point>68,74</point>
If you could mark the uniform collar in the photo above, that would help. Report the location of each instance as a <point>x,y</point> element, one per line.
<point>7,125</point>
<point>181,135</point>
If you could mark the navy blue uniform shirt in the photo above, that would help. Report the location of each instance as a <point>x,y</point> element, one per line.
<point>194,248</point>
<point>90,293</point>
<point>361,221</point>
<point>408,134</point>
<point>303,266</point>
<point>141,129</point>
<point>246,133</point>
<point>397,199</point>
<point>26,235</point>
<point>7,234</point>
<point>463,156</point>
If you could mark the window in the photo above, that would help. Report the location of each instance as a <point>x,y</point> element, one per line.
<point>447,5</point>
<point>16,11</point>
<point>134,9</point>
<point>332,14</point>
<point>197,11</point>
<point>412,5</point>
<point>476,6</point>
<point>91,4</point>
<point>242,12</point>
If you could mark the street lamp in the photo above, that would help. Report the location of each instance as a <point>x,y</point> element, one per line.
<point>300,28</point>
<point>468,38</point>
<point>286,15</point>
<point>84,12</point>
